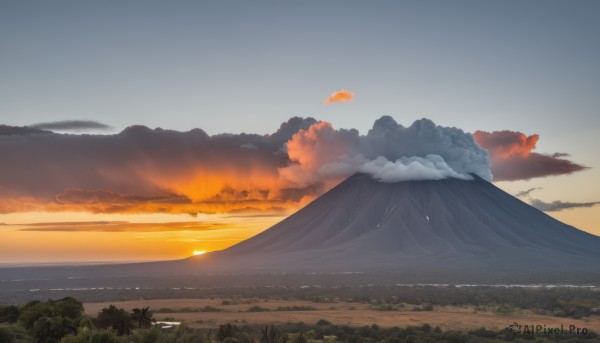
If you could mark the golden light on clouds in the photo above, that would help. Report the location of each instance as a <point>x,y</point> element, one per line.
<point>85,237</point>
<point>343,95</point>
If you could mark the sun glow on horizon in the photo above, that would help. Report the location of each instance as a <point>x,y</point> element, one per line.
<point>199,252</point>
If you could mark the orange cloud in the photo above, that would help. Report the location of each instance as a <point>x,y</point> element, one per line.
<point>120,226</point>
<point>512,156</point>
<point>343,95</point>
<point>506,144</point>
<point>316,154</point>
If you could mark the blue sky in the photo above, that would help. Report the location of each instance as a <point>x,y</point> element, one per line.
<point>247,66</point>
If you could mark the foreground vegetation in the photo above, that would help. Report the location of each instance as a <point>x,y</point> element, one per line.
<point>64,320</point>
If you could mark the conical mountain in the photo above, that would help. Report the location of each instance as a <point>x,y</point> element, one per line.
<point>363,224</point>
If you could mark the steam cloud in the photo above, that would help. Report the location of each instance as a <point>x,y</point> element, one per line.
<point>389,152</point>
<point>141,170</point>
<point>513,158</point>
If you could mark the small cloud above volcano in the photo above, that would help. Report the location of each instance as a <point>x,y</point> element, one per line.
<point>343,95</point>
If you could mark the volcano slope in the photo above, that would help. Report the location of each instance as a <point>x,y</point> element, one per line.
<point>449,224</point>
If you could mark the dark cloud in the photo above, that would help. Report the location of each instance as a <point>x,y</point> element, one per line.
<point>72,125</point>
<point>559,205</point>
<point>144,170</point>
<point>513,158</point>
<point>94,196</point>
<point>6,130</point>
<point>527,192</point>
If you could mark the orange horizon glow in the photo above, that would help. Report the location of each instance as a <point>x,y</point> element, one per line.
<point>78,237</point>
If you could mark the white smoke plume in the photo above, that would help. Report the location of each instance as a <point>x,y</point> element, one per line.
<point>389,152</point>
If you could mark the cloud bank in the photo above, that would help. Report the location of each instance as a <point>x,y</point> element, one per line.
<point>119,226</point>
<point>513,158</point>
<point>142,170</point>
<point>343,95</point>
<point>72,125</point>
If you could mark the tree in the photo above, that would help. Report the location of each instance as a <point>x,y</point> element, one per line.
<point>34,310</point>
<point>47,329</point>
<point>9,314</point>
<point>142,317</point>
<point>115,318</point>
<point>6,335</point>
<point>226,331</point>
<point>272,334</point>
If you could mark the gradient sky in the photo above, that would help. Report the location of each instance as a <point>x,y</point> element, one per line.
<point>235,66</point>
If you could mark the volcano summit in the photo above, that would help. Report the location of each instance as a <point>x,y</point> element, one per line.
<point>450,224</point>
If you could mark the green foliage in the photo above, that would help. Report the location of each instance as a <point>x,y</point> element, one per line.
<point>105,337</point>
<point>257,308</point>
<point>9,314</point>
<point>52,329</point>
<point>226,331</point>
<point>209,309</point>
<point>483,333</point>
<point>115,318</point>
<point>323,322</point>
<point>66,308</point>
<point>151,335</point>
<point>6,335</point>
<point>62,321</point>
<point>142,317</point>
<point>272,334</point>
<point>300,338</point>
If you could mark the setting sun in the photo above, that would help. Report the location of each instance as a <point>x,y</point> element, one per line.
<point>199,252</point>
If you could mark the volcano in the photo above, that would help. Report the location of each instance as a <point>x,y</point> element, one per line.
<point>433,230</point>
<point>450,224</point>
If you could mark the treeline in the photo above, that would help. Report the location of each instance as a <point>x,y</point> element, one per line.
<point>63,321</point>
<point>53,320</point>
<point>559,301</point>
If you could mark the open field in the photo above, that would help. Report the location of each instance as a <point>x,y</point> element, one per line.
<point>191,311</point>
